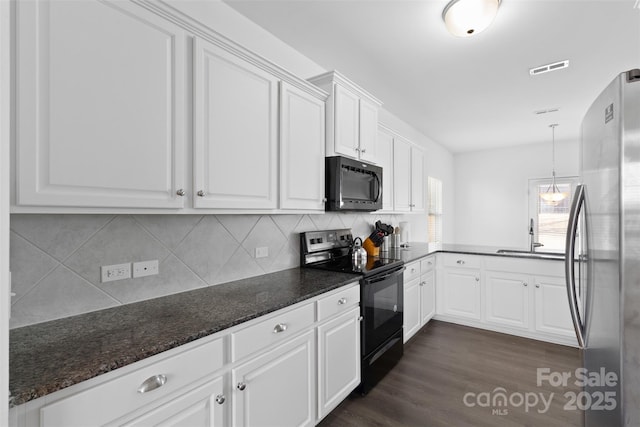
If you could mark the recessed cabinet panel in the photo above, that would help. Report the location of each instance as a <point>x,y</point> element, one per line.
<point>507,299</point>
<point>346,122</point>
<point>552,307</point>
<point>98,124</point>
<point>411,308</point>
<point>417,180</point>
<point>462,293</point>
<point>368,131</point>
<point>236,115</point>
<point>277,388</point>
<point>385,160</point>
<point>302,142</point>
<point>401,175</point>
<point>428,296</point>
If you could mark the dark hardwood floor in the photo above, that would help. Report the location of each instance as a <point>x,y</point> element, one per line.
<point>445,362</point>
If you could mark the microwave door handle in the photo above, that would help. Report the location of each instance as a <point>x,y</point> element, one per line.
<point>379,187</point>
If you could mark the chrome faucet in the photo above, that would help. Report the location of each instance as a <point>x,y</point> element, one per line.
<point>532,244</point>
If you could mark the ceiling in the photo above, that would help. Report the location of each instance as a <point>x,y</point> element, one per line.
<point>466,93</point>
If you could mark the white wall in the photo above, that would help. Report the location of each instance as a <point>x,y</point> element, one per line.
<point>228,22</point>
<point>491,200</point>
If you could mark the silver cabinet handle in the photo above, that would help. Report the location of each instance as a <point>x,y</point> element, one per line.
<point>525,284</point>
<point>220,399</point>
<point>201,193</point>
<point>152,383</point>
<point>324,200</point>
<point>363,150</point>
<point>241,386</point>
<point>477,279</point>
<point>537,285</point>
<point>423,283</point>
<point>357,149</point>
<point>460,261</point>
<point>342,301</point>
<point>181,192</point>
<point>280,327</point>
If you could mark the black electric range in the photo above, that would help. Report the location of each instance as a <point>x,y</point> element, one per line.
<point>381,299</point>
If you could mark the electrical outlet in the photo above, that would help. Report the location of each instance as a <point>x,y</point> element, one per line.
<point>262,252</point>
<point>109,273</point>
<point>145,268</point>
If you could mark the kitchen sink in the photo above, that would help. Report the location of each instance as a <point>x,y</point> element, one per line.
<point>529,254</point>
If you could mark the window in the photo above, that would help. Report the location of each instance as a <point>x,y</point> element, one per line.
<point>434,194</point>
<point>550,220</point>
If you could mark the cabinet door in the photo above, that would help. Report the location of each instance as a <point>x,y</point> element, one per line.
<point>385,160</point>
<point>368,131</point>
<point>507,299</point>
<point>461,289</point>
<point>277,388</point>
<point>201,407</point>
<point>417,180</point>
<point>401,175</point>
<point>411,308</point>
<point>236,118</point>
<point>346,122</point>
<point>338,360</point>
<point>427,296</point>
<point>302,142</point>
<point>99,125</point>
<point>552,307</point>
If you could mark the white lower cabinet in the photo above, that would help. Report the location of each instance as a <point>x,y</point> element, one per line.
<point>419,295</point>
<point>288,368</point>
<point>461,293</point>
<point>519,296</point>
<point>507,299</point>
<point>552,307</point>
<point>338,360</point>
<point>278,387</point>
<point>202,406</point>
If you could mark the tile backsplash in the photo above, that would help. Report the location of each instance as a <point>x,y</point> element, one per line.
<point>56,259</point>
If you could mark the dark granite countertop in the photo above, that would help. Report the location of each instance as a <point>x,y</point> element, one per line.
<point>417,250</point>
<point>50,356</point>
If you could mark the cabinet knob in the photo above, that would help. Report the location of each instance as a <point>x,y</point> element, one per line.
<point>280,327</point>
<point>537,285</point>
<point>460,261</point>
<point>363,150</point>
<point>241,386</point>
<point>324,200</point>
<point>201,193</point>
<point>357,149</point>
<point>181,192</point>
<point>342,301</point>
<point>525,284</point>
<point>220,399</point>
<point>423,283</point>
<point>477,279</point>
<point>152,383</point>
<point>360,319</point>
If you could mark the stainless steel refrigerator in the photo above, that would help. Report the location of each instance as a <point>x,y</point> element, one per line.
<point>603,255</point>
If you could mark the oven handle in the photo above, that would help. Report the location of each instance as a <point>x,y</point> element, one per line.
<point>380,278</point>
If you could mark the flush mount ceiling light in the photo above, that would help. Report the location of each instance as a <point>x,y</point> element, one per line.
<point>465,18</point>
<point>553,195</point>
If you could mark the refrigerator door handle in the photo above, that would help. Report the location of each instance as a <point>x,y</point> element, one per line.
<point>572,228</point>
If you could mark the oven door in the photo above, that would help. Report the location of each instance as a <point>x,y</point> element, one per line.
<point>382,307</point>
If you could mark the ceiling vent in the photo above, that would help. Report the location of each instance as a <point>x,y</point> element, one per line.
<point>549,67</point>
<point>548,110</point>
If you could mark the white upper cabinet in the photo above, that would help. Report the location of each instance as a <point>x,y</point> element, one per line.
<point>401,175</point>
<point>385,160</point>
<point>100,95</point>
<point>302,122</point>
<point>236,118</point>
<point>417,180</point>
<point>352,118</point>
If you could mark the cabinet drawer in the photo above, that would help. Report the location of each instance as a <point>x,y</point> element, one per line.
<point>120,396</point>
<point>338,302</point>
<point>412,271</point>
<point>461,261</point>
<point>271,330</point>
<point>427,264</point>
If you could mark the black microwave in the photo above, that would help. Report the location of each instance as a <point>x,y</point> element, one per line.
<point>352,185</point>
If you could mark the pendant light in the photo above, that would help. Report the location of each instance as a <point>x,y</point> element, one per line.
<point>553,195</point>
<point>465,18</point>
